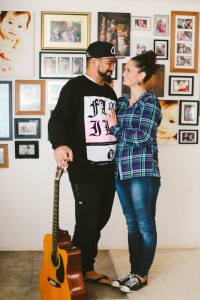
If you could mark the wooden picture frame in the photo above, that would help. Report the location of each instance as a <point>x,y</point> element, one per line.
<point>141,23</point>
<point>26,149</point>
<point>184,41</point>
<point>65,30</point>
<point>181,85</point>
<point>115,28</point>
<point>161,49</point>
<point>187,136</point>
<point>30,97</point>
<point>4,156</point>
<point>161,25</point>
<point>189,112</point>
<point>26,128</point>
<point>62,65</point>
<point>6,127</point>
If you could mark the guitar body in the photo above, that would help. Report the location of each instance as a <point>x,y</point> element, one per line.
<point>61,276</point>
<point>53,280</point>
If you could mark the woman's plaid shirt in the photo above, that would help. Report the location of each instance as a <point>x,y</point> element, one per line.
<point>137,152</point>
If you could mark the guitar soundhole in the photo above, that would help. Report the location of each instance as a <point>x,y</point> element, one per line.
<point>58,264</point>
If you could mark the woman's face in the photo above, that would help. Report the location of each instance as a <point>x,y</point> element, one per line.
<point>131,74</point>
<point>168,126</point>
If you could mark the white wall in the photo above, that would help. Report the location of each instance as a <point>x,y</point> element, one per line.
<point>26,187</point>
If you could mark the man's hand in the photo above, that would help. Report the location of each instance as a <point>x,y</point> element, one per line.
<point>63,155</point>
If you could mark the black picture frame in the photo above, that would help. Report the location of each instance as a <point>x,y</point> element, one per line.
<point>161,49</point>
<point>187,136</point>
<point>6,130</point>
<point>27,128</point>
<point>62,65</point>
<point>26,149</point>
<point>181,85</point>
<point>188,112</point>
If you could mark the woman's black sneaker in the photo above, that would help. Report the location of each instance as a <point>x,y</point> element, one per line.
<point>121,280</point>
<point>132,285</point>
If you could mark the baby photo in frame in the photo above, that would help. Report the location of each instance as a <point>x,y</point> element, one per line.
<point>168,129</point>
<point>181,85</point>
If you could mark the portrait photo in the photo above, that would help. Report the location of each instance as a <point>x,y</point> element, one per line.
<point>181,85</point>
<point>141,23</point>
<point>115,28</point>
<point>16,43</point>
<point>161,49</point>
<point>189,112</point>
<point>161,25</point>
<point>168,129</point>
<point>140,45</point>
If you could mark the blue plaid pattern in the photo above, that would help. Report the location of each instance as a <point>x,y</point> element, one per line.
<point>137,151</point>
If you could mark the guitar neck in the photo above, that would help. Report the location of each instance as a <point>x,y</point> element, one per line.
<point>55,228</point>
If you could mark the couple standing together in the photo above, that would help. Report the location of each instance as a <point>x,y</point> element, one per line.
<point>110,144</point>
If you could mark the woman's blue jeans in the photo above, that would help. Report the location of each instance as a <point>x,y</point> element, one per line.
<point>138,200</point>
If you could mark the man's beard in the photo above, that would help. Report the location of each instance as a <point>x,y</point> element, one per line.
<point>105,77</point>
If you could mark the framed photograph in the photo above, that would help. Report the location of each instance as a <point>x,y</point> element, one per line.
<point>155,84</point>
<point>168,128</point>
<point>65,30</point>
<point>27,128</point>
<point>53,88</point>
<point>141,44</point>
<point>29,97</point>
<point>141,23</point>
<point>26,149</point>
<point>62,65</point>
<point>188,136</point>
<point>4,156</point>
<point>6,128</point>
<point>181,85</point>
<point>161,25</point>
<point>17,46</point>
<point>184,41</point>
<point>189,112</point>
<point>161,49</point>
<point>115,28</point>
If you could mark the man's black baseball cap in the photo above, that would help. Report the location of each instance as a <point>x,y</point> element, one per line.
<point>101,50</point>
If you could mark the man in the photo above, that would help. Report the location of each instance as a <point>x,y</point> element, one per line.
<point>78,132</point>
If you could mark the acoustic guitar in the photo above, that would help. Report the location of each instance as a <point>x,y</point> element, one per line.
<point>60,277</point>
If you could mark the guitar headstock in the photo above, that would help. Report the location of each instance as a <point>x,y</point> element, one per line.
<point>59,172</point>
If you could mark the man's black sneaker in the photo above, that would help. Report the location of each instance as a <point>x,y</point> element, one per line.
<point>132,285</point>
<point>121,280</point>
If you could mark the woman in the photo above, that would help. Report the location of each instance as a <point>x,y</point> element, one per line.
<point>137,172</point>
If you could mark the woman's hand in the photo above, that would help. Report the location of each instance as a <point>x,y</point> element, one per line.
<point>112,118</point>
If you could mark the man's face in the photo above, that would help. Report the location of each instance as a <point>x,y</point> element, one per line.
<point>106,67</point>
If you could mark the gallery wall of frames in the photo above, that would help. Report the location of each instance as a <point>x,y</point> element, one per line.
<point>64,39</point>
